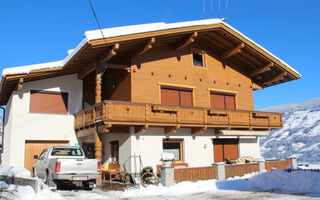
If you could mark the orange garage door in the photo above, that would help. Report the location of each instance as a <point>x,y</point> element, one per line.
<point>35,147</point>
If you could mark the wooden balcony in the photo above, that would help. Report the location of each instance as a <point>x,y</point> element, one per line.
<point>111,114</point>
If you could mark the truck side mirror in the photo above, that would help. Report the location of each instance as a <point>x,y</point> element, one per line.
<point>35,156</point>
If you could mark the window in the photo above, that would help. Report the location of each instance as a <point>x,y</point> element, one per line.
<point>223,100</point>
<point>198,59</point>
<point>225,149</point>
<point>174,146</point>
<point>114,150</point>
<point>176,96</point>
<point>48,102</point>
<point>66,152</point>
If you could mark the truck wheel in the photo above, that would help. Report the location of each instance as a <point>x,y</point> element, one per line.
<point>34,173</point>
<point>86,185</point>
<point>48,180</point>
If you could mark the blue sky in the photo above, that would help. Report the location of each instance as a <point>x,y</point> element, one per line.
<point>42,31</point>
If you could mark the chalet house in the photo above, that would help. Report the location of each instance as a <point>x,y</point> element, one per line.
<point>137,91</point>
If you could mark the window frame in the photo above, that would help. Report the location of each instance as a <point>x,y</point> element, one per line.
<point>175,140</point>
<point>49,92</point>
<point>179,89</point>
<point>204,60</point>
<point>224,92</point>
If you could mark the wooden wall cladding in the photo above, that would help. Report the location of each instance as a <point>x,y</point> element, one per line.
<point>48,102</point>
<point>116,85</point>
<point>165,65</point>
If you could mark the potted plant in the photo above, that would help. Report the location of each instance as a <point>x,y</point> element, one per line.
<point>167,158</point>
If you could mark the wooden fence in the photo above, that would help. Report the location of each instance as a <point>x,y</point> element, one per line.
<point>206,173</point>
<point>277,164</point>
<point>240,169</point>
<point>195,174</point>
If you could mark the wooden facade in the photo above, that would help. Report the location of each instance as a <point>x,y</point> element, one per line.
<point>198,77</point>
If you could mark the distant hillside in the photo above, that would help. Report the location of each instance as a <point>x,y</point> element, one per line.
<point>300,136</point>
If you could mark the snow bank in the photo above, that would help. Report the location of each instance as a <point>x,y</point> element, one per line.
<point>278,180</point>
<point>302,182</point>
<point>14,171</point>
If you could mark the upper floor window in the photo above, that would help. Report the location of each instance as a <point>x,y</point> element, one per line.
<point>223,100</point>
<point>48,102</point>
<point>176,96</point>
<point>198,59</point>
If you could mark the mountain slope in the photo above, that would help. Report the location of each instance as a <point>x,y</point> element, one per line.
<point>300,136</point>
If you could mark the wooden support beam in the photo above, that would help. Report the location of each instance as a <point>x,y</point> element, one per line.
<point>98,149</point>
<point>146,48</point>
<point>275,78</point>
<point>260,70</point>
<point>232,51</point>
<point>110,54</point>
<point>86,70</point>
<point>104,128</point>
<point>198,130</point>
<point>186,42</point>
<point>19,84</point>
<point>171,129</point>
<point>98,84</point>
<point>141,129</point>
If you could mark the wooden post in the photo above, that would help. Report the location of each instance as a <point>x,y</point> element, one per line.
<point>98,150</point>
<point>98,142</point>
<point>98,84</point>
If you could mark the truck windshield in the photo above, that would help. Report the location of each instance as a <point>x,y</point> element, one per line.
<point>66,152</point>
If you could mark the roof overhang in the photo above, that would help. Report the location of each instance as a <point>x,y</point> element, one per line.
<point>115,44</point>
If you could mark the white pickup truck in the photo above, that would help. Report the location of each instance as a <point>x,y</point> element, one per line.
<point>62,165</point>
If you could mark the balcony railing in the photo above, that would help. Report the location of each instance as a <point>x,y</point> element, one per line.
<point>118,113</point>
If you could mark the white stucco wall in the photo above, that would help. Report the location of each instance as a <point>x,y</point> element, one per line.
<point>249,146</point>
<point>197,150</point>
<point>23,125</point>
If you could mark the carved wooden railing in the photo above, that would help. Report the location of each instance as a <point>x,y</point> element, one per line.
<point>129,113</point>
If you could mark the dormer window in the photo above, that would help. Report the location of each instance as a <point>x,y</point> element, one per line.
<point>198,59</point>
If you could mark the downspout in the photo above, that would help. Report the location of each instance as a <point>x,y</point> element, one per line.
<point>2,136</point>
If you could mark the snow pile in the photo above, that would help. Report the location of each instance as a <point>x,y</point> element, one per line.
<point>297,182</point>
<point>166,156</point>
<point>279,180</point>
<point>180,189</point>
<point>14,171</point>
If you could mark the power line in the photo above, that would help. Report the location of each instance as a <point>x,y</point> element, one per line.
<point>219,9</point>
<point>95,16</point>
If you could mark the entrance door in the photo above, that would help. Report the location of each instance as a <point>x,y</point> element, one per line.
<point>33,147</point>
<point>114,150</point>
<point>225,149</point>
<point>89,149</point>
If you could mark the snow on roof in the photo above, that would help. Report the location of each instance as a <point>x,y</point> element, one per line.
<point>128,30</point>
<point>29,68</point>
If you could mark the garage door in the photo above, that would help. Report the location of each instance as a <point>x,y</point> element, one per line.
<point>33,147</point>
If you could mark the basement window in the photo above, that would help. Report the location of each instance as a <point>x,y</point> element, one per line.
<point>198,59</point>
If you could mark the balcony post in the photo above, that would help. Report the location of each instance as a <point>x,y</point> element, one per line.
<point>98,142</point>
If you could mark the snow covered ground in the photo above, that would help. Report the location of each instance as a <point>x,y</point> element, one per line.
<point>276,184</point>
